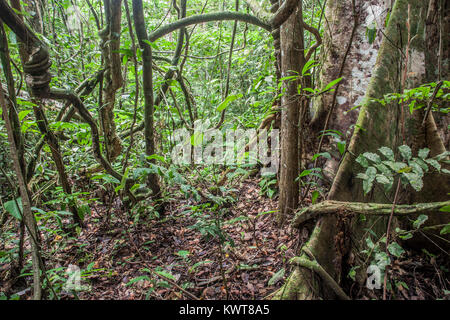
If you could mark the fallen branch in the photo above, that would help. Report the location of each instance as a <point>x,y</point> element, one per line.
<point>375,209</point>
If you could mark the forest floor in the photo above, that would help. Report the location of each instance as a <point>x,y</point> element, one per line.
<point>121,258</point>
<point>123,251</point>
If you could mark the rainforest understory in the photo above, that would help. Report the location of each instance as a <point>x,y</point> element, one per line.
<point>224,150</point>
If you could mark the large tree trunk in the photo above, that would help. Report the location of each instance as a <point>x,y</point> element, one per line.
<point>438,56</point>
<point>377,126</point>
<point>356,64</point>
<point>292,62</point>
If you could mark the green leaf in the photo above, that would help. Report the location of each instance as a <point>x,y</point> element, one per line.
<point>414,179</point>
<point>399,284</point>
<point>371,173</point>
<point>445,230</point>
<point>166,274</point>
<point>387,152</point>
<point>445,209</point>
<point>156,157</point>
<point>227,101</point>
<point>352,273</point>
<point>23,114</point>
<point>434,164</point>
<point>314,197</point>
<point>304,173</point>
<point>183,253</point>
<point>420,221</point>
<point>309,65</point>
<point>395,249</point>
<point>362,161</point>
<point>395,166</point>
<point>406,236</point>
<point>371,34</point>
<point>372,157</point>
<point>276,277</point>
<point>197,139</point>
<point>124,180</point>
<point>106,177</point>
<point>383,169</point>
<point>12,209</point>
<point>332,84</point>
<point>151,44</point>
<point>423,153</point>
<point>341,147</point>
<point>322,154</point>
<point>419,162</point>
<point>137,279</point>
<point>405,151</point>
<point>370,243</point>
<point>382,179</point>
<point>195,266</point>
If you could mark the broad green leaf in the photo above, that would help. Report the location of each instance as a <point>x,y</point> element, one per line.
<point>156,157</point>
<point>395,166</point>
<point>381,179</point>
<point>383,169</point>
<point>322,154</point>
<point>419,162</point>
<point>406,236</point>
<point>371,173</point>
<point>12,209</point>
<point>405,151</point>
<point>315,196</point>
<point>434,164</point>
<point>341,147</point>
<point>420,221</point>
<point>387,152</point>
<point>197,139</point>
<point>227,101</point>
<point>445,230</point>
<point>106,177</point>
<point>304,173</point>
<point>362,161</point>
<point>395,249</point>
<point>423,153</point>
<point>416,168</point>
<point>372,157</point>
<point>414,179</point>
<point>23,114</point>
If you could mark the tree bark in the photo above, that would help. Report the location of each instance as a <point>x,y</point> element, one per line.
<point>149,134</point>
<point>27,215</point>
<point>292,62</point>
<point>377,126</point>
<point>113,76</point>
